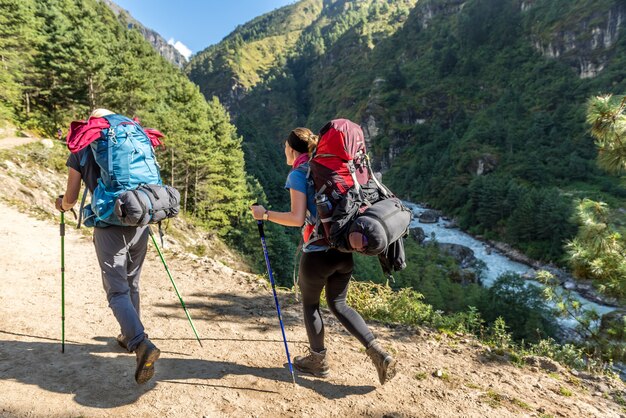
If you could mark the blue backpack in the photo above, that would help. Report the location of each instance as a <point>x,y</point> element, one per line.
<point>126,159</point>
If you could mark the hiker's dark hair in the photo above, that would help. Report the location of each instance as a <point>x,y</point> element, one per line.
<point>302,140</point>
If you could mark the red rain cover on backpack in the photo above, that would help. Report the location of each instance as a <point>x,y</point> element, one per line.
<point>340,146</point>
<point>345,190</point>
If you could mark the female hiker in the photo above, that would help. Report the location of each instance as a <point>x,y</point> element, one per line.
<point>320,267</point>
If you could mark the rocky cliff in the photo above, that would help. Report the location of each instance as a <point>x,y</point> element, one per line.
<point>585,44</point>
<point>157,41</point>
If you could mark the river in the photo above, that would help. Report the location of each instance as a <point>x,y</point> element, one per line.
<point>496,263</point>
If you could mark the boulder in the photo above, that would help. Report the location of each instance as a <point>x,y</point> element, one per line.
<point>613,325</point>
<point>429,216</point>
<point>418,234</point>
<point>462,254</point>
<point>47,143</point>
<point>451,224</point>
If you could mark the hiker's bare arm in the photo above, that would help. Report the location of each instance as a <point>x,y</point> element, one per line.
<point>71,191</point>
<point>294,218</point>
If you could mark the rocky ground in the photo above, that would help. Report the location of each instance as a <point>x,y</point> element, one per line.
<point>240,370</point>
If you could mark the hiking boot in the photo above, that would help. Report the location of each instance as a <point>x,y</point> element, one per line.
<point>385,364</point>
<point>147,354</point>
<point>123,342</point>
<point>315,363</point>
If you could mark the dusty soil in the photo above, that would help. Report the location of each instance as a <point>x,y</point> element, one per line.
<point>11,142</point>
<point>241,369</point>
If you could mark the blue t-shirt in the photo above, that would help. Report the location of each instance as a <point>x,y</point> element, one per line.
<point>297,180</point>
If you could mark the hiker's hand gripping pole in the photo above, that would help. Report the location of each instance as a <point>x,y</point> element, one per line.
<point>280,319</point>
<point>174,284</point>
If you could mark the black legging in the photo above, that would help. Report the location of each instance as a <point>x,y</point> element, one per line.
<point>332,269</point>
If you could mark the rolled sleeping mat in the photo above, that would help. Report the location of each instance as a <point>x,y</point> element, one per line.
<point>149,203</point>
<point>381,224</point>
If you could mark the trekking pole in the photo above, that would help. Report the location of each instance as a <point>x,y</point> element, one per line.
<point>174,284</point>
<point>280,319</point>
<point>62,231</point>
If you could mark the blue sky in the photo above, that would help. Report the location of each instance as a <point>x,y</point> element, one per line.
<point>196,24</point>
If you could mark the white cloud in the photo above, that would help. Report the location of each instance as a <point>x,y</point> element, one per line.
<point>180,47</point>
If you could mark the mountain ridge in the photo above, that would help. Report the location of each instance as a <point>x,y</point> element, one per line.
<point>163,47</point>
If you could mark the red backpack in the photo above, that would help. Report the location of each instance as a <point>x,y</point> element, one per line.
<point>346,189</point>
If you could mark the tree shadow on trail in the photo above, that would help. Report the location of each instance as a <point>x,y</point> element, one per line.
<point>237,308</point>
<point>101,376</point>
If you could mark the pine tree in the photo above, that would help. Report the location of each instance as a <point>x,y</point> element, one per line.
<point>18,42</point>
<point>599,249</point>
<point>606,115</point>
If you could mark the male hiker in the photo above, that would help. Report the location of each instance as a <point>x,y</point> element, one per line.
<point>120,249</point>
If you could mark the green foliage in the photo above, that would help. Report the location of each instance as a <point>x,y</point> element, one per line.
<point>498,335</point>
<point>430,272</point>
<point>599,249</point>
<point>602,340</point>
<point>568,354</point>
<point>606,116</point>
<point>380,302</point>
<point>521,305</point>
<point>65,58</point>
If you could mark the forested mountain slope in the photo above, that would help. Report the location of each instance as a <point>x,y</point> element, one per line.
<point>476,107</point>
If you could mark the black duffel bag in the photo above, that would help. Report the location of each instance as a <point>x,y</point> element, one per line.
<point>379,226</point>
<point>147,204</point>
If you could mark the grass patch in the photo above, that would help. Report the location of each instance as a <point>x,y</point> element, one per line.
<point>521,404</point>
<point>420,376</point>
<point>199,250</point>
<point>564,391</point>
<point>574,381</point>
<point>493,398</point>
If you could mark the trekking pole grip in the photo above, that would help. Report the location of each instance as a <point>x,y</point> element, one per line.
<point>259,224</point>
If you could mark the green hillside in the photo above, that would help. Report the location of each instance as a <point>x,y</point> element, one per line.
<point>476,107</point>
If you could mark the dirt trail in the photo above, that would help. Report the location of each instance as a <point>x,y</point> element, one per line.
<point>12,142</point>
<point>241,369</point>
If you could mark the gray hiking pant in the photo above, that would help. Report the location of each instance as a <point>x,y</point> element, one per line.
<point>121,251</point>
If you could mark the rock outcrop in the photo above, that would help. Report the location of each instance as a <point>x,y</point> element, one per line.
<point>586,44</point>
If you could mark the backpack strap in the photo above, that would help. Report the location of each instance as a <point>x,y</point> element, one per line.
<point>161,234</point>
<point>295,266</point>
<point>381,187</point>
<point>357,186</point>
<point>83,161</point>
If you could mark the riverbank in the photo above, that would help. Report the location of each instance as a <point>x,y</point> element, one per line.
<point>500,258</point>
<point>569,282</point>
